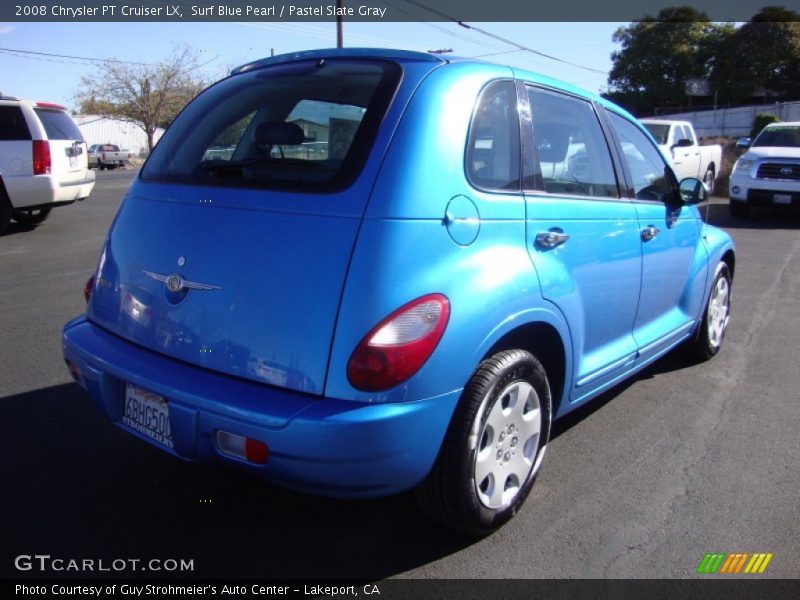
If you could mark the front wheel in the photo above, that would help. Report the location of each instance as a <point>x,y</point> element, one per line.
<point>30,216</point>
<point>493,448</point>
<point>716,317</point>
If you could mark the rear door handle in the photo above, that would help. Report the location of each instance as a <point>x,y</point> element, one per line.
<point>648,233</point>
<point>551,239</point>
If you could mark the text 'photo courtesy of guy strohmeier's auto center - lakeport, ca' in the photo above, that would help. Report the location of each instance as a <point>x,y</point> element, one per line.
<point>400,298</point>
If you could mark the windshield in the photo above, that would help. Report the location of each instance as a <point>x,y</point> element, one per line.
<point>788,137</point>
<point>303,125</point>
<point>659,132</point>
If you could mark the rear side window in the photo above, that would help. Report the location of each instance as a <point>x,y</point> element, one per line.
<point>58,125</point>
<point>12,124</point>
<point>307,125</point>
<point>493,146</point>
<point>571,149</point>
<point>651,177</point>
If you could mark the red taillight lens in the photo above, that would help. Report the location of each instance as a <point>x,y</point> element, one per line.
<point>400,344</point>
<point>41,157</point>
<point>87,289</point>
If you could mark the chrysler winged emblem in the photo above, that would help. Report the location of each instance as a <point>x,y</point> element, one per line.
<point>175,283</point>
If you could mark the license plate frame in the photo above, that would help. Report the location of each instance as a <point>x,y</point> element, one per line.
<point>782,198</point>
<point>147,413</point>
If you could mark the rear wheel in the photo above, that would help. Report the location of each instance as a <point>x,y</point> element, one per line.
<point>493,448</point>
<point>740,210</point>
<point>32,216</point>
<point>708,179</point>
<point>5,210</point>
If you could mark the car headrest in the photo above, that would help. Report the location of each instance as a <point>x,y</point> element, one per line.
<point>552,142</point>
<point>278,133</point>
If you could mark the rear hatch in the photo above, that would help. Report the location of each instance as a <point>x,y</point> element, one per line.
<point>231,250</point>
<point>68,153</point>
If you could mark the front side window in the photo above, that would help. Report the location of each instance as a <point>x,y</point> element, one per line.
<point>493,145</point>
<point>571,149</point>
<point>651,176</point>
<point>304,125</point>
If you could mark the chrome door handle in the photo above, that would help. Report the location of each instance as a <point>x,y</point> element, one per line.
<point>648,233</point>
<point>551,239</point>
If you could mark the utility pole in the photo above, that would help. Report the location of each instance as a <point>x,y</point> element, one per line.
<point>339,32</point>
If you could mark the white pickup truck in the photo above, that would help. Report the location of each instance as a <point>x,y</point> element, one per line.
<point>678,142</point>
<point>108,156</point>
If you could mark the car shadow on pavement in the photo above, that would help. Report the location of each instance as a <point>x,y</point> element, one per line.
<point>675,360</point>
<point>14,228</point>
<point>75,486</point>
<point>760,218</point>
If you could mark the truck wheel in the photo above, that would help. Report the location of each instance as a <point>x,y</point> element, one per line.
<point>708,179</point>
<point>493,447</point>
<point>30,217</point>
<point>740,210</point>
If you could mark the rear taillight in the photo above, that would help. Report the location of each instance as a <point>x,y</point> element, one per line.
<point>87,289</point>
<point>41,157</point>
<point>399,345</point>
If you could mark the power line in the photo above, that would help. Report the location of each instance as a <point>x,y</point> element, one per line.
<point>501,38</point>
<point>112,60</point>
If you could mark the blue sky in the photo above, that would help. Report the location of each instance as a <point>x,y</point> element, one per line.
<point>224,45</point>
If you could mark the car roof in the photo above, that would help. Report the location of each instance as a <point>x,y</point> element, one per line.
<point>408,55</point>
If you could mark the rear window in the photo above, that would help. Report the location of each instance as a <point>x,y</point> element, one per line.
<point>658,131</point>
<point>58,125</point>
<point>304,125</point>
<point>12,124</point>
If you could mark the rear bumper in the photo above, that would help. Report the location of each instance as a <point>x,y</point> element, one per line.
<point>319,445</point>
<point>41,191</point>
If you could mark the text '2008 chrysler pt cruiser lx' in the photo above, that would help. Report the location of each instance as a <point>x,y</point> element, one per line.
<point>358,272</point>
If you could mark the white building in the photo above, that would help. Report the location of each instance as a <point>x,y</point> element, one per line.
<point>126,135</point>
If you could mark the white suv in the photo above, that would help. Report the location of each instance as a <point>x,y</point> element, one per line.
<point>43,160</point>
<point>769,172</point>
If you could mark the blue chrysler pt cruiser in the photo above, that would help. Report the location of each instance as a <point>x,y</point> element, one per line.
<point>358,272</point>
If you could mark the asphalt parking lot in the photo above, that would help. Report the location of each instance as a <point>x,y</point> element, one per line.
<point>683,460</point>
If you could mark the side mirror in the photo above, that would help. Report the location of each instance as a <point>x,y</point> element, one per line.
<point>743,142</point>
<point>693,191</point>
<point>682,143</point>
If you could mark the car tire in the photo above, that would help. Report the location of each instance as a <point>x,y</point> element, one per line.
<point>708,339</point>
<point>493,447</point>
<point>30,217</point>
<point>739,210</point>
<point>708,179</point>
<point>5,209</point>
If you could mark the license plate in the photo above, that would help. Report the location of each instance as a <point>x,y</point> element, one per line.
<point>147,413</point>
<point>782,198</point>
<point>73,162</point>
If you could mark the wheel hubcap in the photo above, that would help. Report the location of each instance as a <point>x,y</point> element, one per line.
<point>507,445</point>
<point>718,312</point>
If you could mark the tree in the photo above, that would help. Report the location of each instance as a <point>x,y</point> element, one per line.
<point>658,55</point>
<point>761,59</point>
<point>149,95</point>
